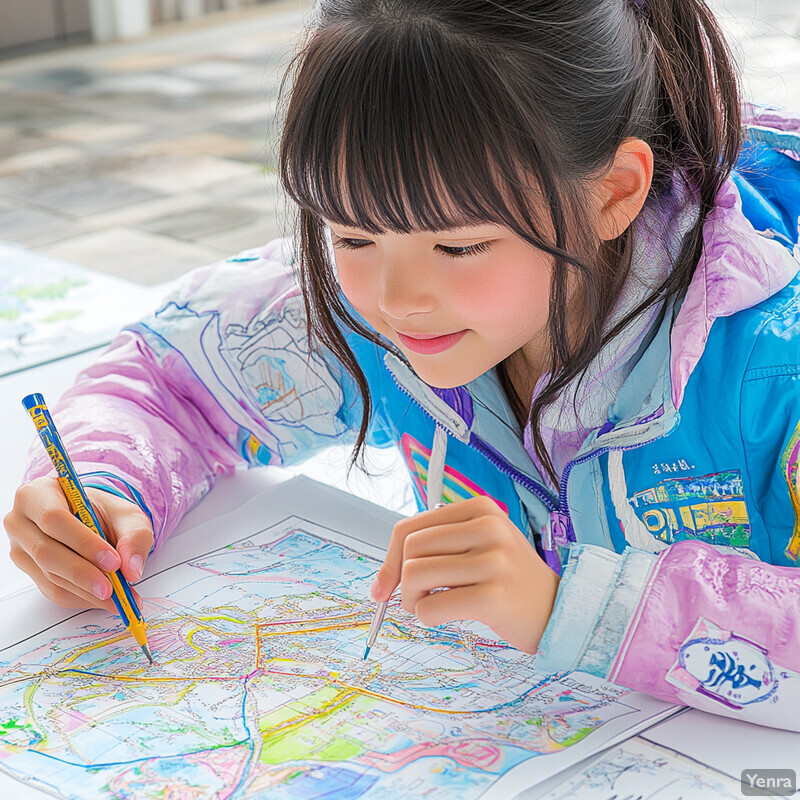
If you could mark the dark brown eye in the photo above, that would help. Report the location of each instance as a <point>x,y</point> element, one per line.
<point>350,244</point>
<point>460,252</point>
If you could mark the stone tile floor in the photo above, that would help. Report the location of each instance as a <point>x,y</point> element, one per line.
<point>148,158</point>
<point>145,159</point>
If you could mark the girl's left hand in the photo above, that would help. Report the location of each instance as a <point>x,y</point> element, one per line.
<point>493,573</point>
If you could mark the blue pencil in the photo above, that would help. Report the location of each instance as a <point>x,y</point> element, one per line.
<point>81,507</point>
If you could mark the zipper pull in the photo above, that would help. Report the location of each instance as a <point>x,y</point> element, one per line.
<point>557,535</point>
<point>552,560</point>
<point>561,532</point>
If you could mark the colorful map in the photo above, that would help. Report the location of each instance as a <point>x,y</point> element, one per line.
<point>51,308</point>
<point>260,690</point>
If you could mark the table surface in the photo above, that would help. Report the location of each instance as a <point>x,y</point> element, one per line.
<point>720,742</point>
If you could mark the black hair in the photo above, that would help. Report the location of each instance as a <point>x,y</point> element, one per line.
<point>409,115</point>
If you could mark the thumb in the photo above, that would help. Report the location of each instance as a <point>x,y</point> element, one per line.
<point>128,528</point>
<point>134,542</point>
<point>388,577</point>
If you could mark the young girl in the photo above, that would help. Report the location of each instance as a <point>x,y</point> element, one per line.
<point>538,251</point>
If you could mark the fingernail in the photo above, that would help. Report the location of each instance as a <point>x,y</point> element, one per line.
<point>374,588</point>
<point>100,590</point>
<point>137,563</point>
<point>108,560</point>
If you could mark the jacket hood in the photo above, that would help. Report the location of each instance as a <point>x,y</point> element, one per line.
<point>738,269</point>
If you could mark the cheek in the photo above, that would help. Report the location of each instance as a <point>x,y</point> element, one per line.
<point>516,296</point>
<point>471,297</point>
<point>357,285</point>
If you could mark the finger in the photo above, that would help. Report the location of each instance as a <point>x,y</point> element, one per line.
<point>65,596</point>
<point>467,602</point>
<point>449,539</point>
<point>52,515</point>
<point>60,564</point>
<point>132,533</point>
<point>423,575</point>
<point>461,511</point>
<point>388,576</point>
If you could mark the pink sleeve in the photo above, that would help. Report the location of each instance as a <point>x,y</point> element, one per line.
<point>719,632</point>
<point>221,375</point>
<point>694,626</point>
<point>148,424</point>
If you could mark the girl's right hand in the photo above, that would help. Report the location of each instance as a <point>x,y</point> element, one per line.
<point>65,558</point>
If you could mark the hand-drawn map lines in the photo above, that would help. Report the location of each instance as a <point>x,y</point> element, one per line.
<point>260,690</point>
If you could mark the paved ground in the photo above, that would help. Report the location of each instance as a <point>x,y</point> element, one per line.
<point>146,159</point>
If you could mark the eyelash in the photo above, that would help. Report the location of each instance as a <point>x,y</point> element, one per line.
<point>469,250</point>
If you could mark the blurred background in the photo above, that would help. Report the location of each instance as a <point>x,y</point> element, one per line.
<point>147,156</point>
<point>137,137</point>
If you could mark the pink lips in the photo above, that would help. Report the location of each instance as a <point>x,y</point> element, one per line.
<point>430,345</point>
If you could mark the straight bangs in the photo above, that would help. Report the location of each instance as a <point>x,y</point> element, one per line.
<point>393,126</point>
<point>387,131</point>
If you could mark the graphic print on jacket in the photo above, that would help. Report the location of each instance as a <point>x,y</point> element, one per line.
<point>289,381</point>
<point>789,469</point>
<point>455,486</point>
<point>710,508</point>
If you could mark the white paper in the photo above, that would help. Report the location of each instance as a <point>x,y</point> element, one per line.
<point>258,622</point>
<point>729,745</point>
<point>646,771</point>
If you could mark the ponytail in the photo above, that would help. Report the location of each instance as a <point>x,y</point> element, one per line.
<point>697,119</point>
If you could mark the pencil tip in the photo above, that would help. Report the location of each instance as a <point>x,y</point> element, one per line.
<point>146,650</point>
<point>366,652</point>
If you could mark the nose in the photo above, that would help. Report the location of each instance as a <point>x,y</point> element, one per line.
<point>405,290</point>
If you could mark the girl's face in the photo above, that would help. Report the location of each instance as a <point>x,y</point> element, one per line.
<point>456,302</point>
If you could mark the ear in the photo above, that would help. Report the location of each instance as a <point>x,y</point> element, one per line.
<point>623,189</point>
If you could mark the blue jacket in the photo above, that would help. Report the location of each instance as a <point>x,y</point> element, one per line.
<point>677,524</point>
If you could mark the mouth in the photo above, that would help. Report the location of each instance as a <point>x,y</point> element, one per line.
<point>430,344</point>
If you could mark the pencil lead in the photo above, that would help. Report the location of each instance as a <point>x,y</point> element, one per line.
<point>146,651</point>
<point>366,652</point>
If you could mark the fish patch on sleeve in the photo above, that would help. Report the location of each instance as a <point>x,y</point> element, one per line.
<point>727,668</point>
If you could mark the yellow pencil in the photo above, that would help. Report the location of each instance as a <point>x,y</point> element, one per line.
<point>81,507</point>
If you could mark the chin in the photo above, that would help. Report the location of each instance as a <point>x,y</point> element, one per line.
<point>444,378</point>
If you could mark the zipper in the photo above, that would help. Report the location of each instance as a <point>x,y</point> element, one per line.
<point>544,494</point>
<point>556,508</point>
<point>562,513</point>
<point>564,520</point>
<point>539,491</point>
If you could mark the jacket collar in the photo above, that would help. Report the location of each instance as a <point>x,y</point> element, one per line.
<point>479,415</point>
<point>452,409</point>
<point>739,268</point>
